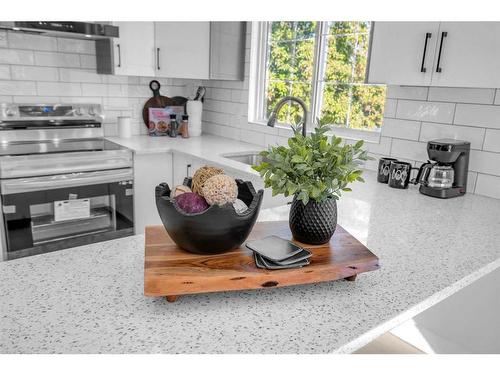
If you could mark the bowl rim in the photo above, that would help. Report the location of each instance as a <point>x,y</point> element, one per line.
<point>257,196</point>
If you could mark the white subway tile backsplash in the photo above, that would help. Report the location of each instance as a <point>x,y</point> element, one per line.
<point>16,56</point>
<point>100,89</point>
<point>407,92</point>
<point>404,129</point>
<point>76,46</point>
<point>79,75</point>
<point>488,185</point>
<point>471,181</point>
<point>3,38</point>
<point>36,99</point>
<point>432,131</point>
<point>88,61</point>
<point>34,73</point>
<point>17,88</point>
<point>497,97</point>
<point>485,162</point>
<point>486,116</point>
<point>390,107</point>
<point>57,59</point>
<point>4,72</point>
<point>382,147</point>
<point>60,88</point>
<point>461,95</point>
<point>30,41</point>
<point>409,150</point>
<point>425,111</point>
<point>253,137</point>
<point>492,140</point>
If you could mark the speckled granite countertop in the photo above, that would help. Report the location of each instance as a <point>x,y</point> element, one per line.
<point>207,147</point>
<point>89,299</point>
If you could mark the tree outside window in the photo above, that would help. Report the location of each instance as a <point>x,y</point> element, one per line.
<point>324,64</point>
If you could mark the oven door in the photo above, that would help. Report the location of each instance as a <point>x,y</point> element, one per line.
<point>48,213</point>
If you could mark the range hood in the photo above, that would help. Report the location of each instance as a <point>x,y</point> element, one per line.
<point>77,30</point>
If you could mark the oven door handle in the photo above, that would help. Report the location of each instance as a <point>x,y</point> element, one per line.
<point>28,184</point>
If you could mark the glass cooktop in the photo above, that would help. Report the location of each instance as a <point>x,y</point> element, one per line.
<point>53,147</point>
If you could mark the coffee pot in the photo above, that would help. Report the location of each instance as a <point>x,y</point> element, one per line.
<point>445,174</point>
<point>435,175</point>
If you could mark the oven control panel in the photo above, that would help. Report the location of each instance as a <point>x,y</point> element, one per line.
<point>61,112</point>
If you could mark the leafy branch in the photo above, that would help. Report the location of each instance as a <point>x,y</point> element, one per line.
<point>312,167</point>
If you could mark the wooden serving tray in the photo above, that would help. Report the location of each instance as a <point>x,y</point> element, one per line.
<point>172,272</point>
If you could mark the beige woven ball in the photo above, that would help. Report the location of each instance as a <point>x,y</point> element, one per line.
<point>202,175</point>
<point>178,190</point>
<point>220,189</point>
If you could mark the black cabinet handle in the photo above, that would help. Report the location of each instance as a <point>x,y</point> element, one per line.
<point>423,69</point>
<point>444,34</point>
<point>158,58</point>
<point>119,55</point>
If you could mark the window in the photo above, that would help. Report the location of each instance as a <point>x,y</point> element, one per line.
<point>324,64</point>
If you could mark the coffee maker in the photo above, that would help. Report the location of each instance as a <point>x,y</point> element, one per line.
<point>445,174</point>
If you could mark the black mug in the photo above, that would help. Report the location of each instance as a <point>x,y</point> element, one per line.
<point>399,174</point>
<point>384,165</point>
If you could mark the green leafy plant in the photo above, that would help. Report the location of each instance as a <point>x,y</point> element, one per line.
<point>312,167</point>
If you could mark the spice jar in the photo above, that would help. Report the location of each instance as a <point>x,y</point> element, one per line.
<point>173,125</point>
<point>183,127</point>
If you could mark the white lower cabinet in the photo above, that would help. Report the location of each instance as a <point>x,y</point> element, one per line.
<point>149,171</point>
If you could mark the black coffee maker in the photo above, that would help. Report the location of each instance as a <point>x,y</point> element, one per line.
<point>445,174</point>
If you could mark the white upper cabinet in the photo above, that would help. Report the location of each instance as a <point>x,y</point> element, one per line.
<point>182,49</point>
<point>470,55</point>
<point>197,50</point>
<point>134,49</point>
<point>402,53</point>
<point>453,54</point>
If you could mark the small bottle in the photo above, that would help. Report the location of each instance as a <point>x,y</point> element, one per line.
<point>173,125</point>
<point>184,126</point>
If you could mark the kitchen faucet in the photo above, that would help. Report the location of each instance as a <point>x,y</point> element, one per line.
<point>274,113</point>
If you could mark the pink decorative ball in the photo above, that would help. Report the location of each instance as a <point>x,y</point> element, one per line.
<point>191,203</point>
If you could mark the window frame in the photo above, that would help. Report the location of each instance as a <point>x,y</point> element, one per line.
<point>259,77</point>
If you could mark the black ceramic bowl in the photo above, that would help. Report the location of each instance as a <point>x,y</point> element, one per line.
<point>215,230</point>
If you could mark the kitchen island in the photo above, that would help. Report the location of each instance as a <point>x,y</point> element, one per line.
<point>90,299</point>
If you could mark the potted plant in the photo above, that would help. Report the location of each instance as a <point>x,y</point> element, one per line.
<point>315,170</point>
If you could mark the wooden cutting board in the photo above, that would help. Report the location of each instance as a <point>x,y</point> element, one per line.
<point>159,101</point>
<point>171,272</point>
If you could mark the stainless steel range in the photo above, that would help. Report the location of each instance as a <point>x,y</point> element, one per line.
<point>61,183</point>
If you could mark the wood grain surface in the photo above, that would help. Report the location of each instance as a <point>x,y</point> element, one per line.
<point>170,271</point>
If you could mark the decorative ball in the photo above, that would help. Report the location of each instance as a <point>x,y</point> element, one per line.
<point>178,190</point>
<point>220,189</point>
<point>202,175</point>
<point>239,206</point>
<point>191,203</point>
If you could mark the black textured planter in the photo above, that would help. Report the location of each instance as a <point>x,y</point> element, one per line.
<point>313,223</point>
<point>216,230</point>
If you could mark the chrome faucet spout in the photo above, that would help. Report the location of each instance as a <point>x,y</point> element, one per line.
<point>272,118</point>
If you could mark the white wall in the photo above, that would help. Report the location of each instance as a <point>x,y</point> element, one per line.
<point>413,115</point>
<point>43,69</point>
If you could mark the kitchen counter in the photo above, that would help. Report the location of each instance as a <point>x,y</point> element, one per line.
<point>207,147</point>
<point>90,299</point>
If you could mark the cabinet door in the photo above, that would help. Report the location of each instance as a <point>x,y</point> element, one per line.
<point>227,50</point>
<point>149,171</point>
<point>397,53</point>
<point>134,49</point>
<point>183,49</point>
<point>470,52</point>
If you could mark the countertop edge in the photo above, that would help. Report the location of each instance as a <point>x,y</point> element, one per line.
<point>406,315</point>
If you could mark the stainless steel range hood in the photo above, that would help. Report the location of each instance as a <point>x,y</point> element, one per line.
<point>77,30</point>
